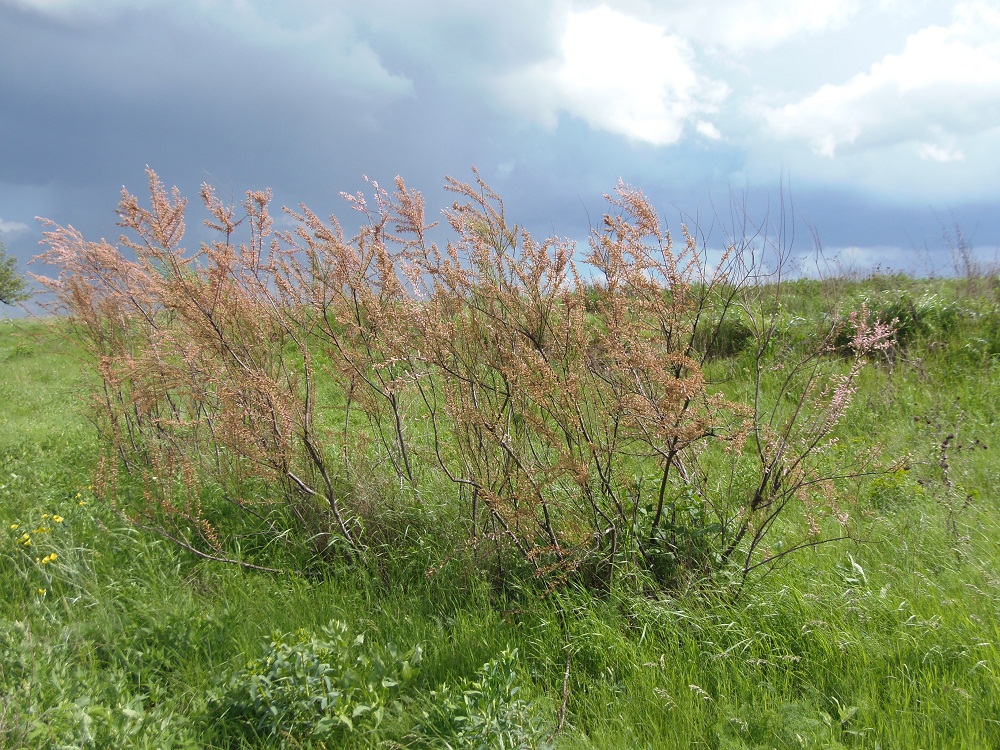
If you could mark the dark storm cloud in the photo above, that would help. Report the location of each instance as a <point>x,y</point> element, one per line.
<point>91,103</point>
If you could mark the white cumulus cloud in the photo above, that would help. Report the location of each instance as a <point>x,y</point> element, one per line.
<point>708,130</point>
<point>620,75</point>
<point>932,152</point>
<point>944,83</point>
<point>748,25</point>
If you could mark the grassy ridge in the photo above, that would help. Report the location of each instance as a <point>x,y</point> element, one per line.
<point>121,640</point>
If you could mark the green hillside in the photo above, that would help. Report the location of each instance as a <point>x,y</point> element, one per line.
<point>112,635</point>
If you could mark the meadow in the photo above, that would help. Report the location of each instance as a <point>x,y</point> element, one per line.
<point>409,617</point>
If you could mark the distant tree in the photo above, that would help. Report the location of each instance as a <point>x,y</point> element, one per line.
<point>13,287</point>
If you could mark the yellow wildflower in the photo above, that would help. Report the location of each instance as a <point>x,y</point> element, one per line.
<point>57,518</point>
<point>82,503</point>
<point>44,516</point>
<point>41,592</point>
<point>14,525</point>
<point>49,558</point>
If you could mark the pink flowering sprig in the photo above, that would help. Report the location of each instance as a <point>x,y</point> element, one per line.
<point>871,336</point>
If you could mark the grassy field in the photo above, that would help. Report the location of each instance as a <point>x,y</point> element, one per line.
<point>113,637</point>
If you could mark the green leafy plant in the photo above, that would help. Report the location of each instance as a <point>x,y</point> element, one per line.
<point>317,686</point>
<point>483,713</point>
<point>13,287</point>
<point>42,554</point>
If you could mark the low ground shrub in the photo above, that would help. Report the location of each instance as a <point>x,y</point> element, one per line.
<point>318,687</point>
<point>486,711</point>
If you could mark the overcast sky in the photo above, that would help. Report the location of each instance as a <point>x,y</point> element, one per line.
<point>880,118</point>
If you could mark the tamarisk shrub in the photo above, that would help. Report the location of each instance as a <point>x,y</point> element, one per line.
<point>205,377</point>
<point>573,417</point>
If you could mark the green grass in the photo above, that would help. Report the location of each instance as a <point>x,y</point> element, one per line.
<point>893,641</point>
